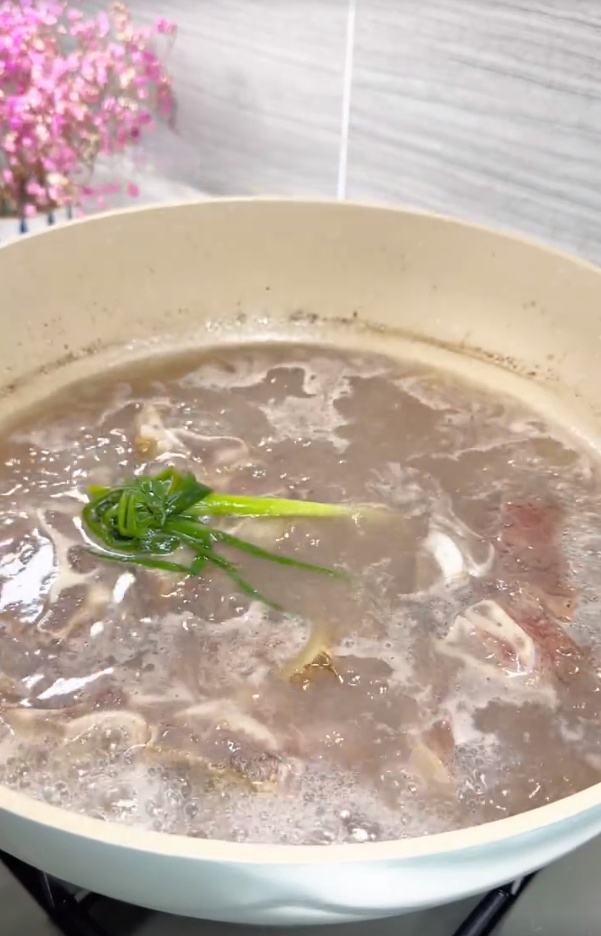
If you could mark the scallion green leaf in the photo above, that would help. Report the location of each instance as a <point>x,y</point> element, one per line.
<point>148,518</point>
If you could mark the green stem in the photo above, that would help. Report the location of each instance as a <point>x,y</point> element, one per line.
<point>149,562</point>
<point>195,533</point>
<point>230,569</point>
<point>240,505</point>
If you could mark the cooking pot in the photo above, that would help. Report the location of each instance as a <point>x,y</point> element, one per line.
<point>82,296</point>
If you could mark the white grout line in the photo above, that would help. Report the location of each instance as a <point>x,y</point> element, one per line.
<point>346,101</point>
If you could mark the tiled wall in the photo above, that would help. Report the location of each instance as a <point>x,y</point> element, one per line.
<point>489,109</point>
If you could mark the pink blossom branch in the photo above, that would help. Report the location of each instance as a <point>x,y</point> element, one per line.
<point>72,89</point>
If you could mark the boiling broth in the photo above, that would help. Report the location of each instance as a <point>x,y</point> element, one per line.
<point>450,679</point>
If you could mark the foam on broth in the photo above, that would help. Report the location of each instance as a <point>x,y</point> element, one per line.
<point>452,682</point>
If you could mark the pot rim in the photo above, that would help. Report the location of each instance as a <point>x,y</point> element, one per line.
<point>164,844</point>
<point>531,241</point>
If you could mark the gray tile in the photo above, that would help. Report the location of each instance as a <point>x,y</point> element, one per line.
<point>563,898</point>
<point>19,915</point>
<point>259,85</point>
<point>486,110</point>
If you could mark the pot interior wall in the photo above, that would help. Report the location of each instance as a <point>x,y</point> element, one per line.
<point>210,271</point>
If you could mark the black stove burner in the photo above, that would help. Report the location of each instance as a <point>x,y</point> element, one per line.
<point>76,914</point>
<point>486,916</point>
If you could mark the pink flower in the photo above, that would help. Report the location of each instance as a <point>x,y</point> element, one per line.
<point>165,26</point>
<point>72,89</point>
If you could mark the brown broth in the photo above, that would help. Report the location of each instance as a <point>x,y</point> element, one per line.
<point>452,680</point>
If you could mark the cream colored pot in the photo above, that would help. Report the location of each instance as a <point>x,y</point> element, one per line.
<point>77,297</point>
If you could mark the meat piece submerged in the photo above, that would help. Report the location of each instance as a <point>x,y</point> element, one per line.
<point>233,747</point>
<point>521,633</point>
<point>539,596</point>
<point>431,757</point>
<point>486,637</point>
<point>529,551</point>
<point>528,538</point>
